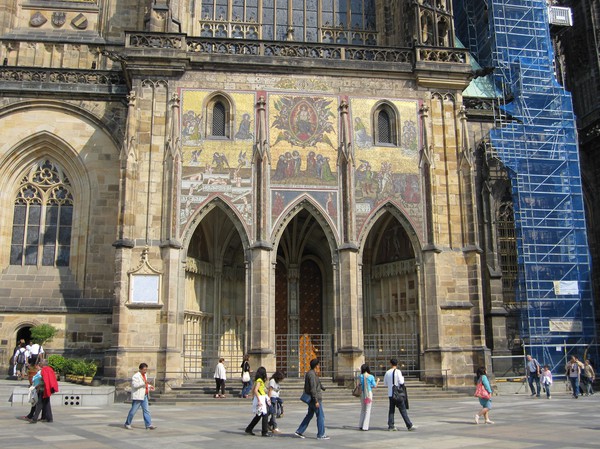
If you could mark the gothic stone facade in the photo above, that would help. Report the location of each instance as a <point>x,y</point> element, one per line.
<point>171,195</point>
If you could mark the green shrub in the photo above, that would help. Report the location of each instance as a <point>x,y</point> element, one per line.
<point>91,368</point>
<point>79,367</point>
<point>58,363</point>
<point>42,333</point>
<point>68,367</point>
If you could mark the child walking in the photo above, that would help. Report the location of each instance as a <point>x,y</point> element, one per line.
<point>546,380</point>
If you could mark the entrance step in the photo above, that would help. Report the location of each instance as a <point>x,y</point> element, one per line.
<point>203,390</point>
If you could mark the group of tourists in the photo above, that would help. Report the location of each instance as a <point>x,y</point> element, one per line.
<point>25,356</point>
<point>581,377</point>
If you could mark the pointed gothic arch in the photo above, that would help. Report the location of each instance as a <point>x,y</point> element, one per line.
<point>21,160</point>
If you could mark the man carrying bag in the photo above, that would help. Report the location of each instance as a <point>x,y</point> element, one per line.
<point>398,398</point>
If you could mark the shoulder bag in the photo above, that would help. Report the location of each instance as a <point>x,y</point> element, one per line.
<point>481,392</point>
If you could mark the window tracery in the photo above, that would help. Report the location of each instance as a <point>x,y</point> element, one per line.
<point>43,216</point>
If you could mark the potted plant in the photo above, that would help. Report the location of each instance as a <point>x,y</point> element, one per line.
<point>57,362</point>
<point>90,371</point>
<point>68,368</point>
<point>79,369</point>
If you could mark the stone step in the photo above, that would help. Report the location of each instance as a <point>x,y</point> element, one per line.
<point>202,390</point>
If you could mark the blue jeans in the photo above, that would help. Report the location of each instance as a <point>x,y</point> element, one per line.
<point>531,378</point>
<point>312,410</point>
<point>575,386</point>
<point>402,408</point>
<point>134,408</point>
<point>246,388</point>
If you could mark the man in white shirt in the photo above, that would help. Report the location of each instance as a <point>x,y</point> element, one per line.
<point>392,377</point>
<point>36,353</point>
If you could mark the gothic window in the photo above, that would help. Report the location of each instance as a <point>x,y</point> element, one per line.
<point>507,250</point>
<point>43,216</point>
<point>340,21</point>
<point>218,118</point>
<point>385,126</point>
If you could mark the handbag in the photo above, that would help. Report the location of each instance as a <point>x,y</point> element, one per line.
<point>398,392</point>
<point>481,392</point>
<point>306,398</point>
<point>357,391</point>
<point>245,376</point>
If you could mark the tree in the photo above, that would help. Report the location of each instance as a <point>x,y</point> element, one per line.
<point>43,333</point>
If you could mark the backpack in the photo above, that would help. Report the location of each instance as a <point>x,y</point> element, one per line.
<point>21,357</point>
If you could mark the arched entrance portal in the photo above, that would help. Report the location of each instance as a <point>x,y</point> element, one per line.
<point>390,296</point>
<point>303,297</point>
<point>214,295</point>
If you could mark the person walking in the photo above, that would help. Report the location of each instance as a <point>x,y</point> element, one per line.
<point>314,389</point>
<point>486,403</point>
<point>276,409</point>
<point>367,383</point>
<point>574,368</point>
<point>260,403</point>
<point>140,389</point>
<point>20,361</point>
<point>588,377</point>
<point>220,378</point>
<point>533,375</point>
<point>246,380</point>
<point>547,380</point>
<point>393,377</point>
<point>47,387</point>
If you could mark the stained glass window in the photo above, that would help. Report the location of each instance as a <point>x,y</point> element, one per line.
<point>43,218</point>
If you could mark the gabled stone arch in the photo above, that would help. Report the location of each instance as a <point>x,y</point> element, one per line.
<point>307,203</point>
<point>111,127</point>
<point>203,211</point>
<point>402,218</point>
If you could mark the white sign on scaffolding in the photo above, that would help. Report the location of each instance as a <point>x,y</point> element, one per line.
<point>565,325</point>
<point>566,288</point>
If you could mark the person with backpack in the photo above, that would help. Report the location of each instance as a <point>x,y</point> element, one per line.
<point>20,361</point>
<point>533,375</point>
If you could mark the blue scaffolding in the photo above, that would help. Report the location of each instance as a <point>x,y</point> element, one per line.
<point>535,137</point>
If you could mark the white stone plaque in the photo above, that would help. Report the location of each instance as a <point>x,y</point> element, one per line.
<point>145,288</point>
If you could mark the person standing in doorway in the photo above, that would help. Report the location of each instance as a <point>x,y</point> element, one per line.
<point>393,377</point>
<point>140,389</point>
<point>220,378</point>
<point>313,387</point>
<point>533,375</point>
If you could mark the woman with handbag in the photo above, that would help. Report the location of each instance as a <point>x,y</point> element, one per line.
<point>260,404</point>
<point>367,383</point>
<point>246,381</point>
<point>484,393</point>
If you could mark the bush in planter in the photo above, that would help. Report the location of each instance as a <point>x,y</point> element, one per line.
<point>58,363</point>
<point>91,368</point>
<point>79,368</point>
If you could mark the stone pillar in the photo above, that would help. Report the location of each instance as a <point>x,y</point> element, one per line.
<point>349,316</point>
<point>261,308</point>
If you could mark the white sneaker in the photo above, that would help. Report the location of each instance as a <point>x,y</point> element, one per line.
<point>489,422</point>
<point>299,435</point>
<point>476,419</point>
<point>128,427</point>
<point>411,428</point>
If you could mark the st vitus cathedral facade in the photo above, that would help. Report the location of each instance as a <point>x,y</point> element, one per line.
<point>294,178</point>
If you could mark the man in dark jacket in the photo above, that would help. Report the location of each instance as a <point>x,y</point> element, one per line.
<point>313,387</point>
